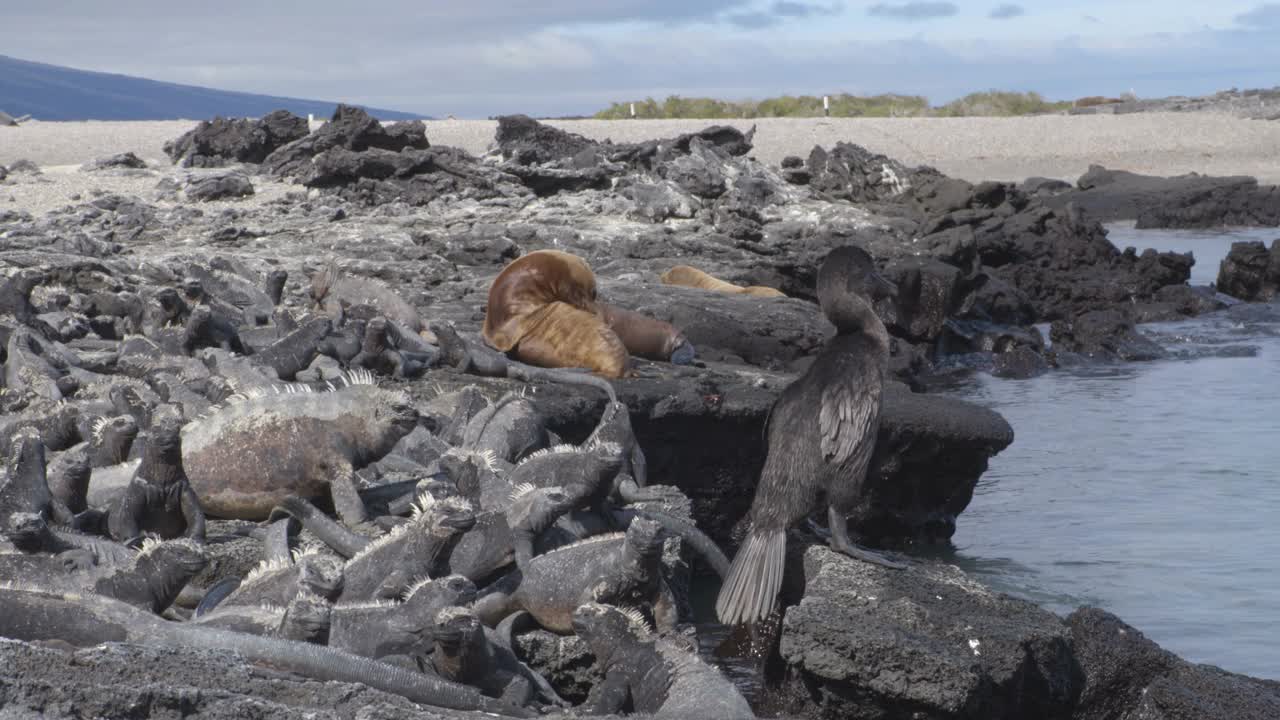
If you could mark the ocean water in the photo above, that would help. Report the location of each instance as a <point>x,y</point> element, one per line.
<point>1152,489</point>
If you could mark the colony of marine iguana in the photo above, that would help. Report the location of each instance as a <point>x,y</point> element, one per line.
<point>234,402</point>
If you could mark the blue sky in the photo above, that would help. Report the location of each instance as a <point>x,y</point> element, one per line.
<point>486,57</point>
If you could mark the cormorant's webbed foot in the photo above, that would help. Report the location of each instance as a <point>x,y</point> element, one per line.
<point>841,543</point>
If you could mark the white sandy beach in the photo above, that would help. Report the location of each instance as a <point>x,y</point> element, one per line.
<point>975,149</point>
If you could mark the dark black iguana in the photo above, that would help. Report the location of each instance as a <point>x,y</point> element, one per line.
<point>386,628</point>
<point>616,567</point>
<point>465,653</point>
<point>150,579</point>
<point>159,498</point>
<point>420,548</point>
<point>651,675</point>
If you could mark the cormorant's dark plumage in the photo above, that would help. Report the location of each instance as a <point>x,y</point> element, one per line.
<point>821,432</point>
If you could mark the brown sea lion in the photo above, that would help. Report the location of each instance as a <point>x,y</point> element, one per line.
<point>686,276</point>
<point>543,309</point>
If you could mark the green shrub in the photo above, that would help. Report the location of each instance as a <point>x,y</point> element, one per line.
<point>991,103</point>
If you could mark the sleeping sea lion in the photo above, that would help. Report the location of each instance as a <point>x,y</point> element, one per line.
<point>543,310</point>
<point>686,276</point>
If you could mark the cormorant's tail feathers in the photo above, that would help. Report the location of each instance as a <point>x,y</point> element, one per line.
<point>750,592</point>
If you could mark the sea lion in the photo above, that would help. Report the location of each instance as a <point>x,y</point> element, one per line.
<point>686,276</point>
<point>543,309</point>
<point>821,433</point>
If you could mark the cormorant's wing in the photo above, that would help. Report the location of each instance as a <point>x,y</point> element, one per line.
<point>845,418</point>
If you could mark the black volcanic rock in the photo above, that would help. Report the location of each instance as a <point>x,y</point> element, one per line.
<point>1108,334</point>
<point>350,128</point>
<point>525,141</point>
<point>219,185</point>
<point>1184,201</point>
<point>1250,271</point>
<point>223,141</point>
<point>126,160</point>
<point>925,642</point>
<point>1126,675</point>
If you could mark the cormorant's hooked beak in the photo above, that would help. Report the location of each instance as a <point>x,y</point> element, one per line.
<point>882,288</point>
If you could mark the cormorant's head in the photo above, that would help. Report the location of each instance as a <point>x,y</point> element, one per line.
<point>848,279</point>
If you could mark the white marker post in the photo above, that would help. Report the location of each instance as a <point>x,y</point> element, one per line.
<point>826,106</point>
<point>633,111</point>
<point>311,118</point>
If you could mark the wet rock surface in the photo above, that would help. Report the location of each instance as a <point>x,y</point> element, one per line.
<point>1250,271</point>
<point>931,642</point>
<point>1188,201</point>
<point>201,290</point>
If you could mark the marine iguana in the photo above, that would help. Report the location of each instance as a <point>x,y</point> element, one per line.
<point>379,353</point>
<point>33,614</point>
<point>651,675</point>
<point>24,487</point>
<point>29,532</point>
<point>420,548</point>
<point>151,579</point>
<point>57,423</point>
<point>510,429</point>
<point>616,567</point>
<point>254,303</point>
<point>466,653</point>
<point>382,628</point>
<point>159,498</point>
<point>276,583</point>
<point>248,456</point>
<point>295,352</point>
<point>306,618</point>
<point>331,289</point>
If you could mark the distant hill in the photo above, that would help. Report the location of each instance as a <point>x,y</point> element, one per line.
<point>53,92</point>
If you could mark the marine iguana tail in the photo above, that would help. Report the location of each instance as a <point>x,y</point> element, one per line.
<point>86,620</point>
<point>333,533</point>
<point>485,361</point>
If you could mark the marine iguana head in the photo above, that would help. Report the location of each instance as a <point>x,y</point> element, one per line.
<point>307,619</point>
<point>171,305</point>
<point>26,530</point>
<point>606,628</point>
<point>320,575</point>
<point>645,537</point>
<point>193,290</point>
<point>456,628</point>
<point>447,517</point>
<point>113,437</point>
<point>162,457</point>
<point>847,285</point>
<point>393,418</point>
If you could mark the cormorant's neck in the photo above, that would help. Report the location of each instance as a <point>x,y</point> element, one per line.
<point>857,316</point>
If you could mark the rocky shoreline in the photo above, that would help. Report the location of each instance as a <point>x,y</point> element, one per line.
<point>978,266</point>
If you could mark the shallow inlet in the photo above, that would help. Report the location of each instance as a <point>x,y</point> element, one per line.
<point>1148,489</point>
